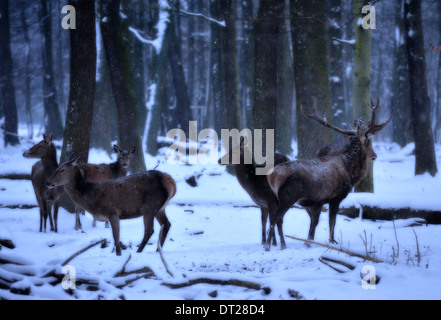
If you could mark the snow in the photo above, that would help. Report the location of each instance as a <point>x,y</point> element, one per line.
<point>216,233</point>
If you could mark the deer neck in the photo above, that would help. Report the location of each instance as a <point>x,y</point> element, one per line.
<point>79,189</point>
<point>49,160</point>
<point>117,169</point>
<point>355,160</point>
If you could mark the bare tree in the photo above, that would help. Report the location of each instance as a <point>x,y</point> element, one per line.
<point>425,160</point>
<point>311,74</point>
<point>8,104</point>
<point>121,77</point>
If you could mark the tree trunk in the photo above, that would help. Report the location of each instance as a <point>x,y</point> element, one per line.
<point>337,69</point>
<point>9,105</point>
<point>217,116</point>
<point>51,109</point>
<point>82,81</point>
<point>401,126</point>
<point>425,160</point>
<point>229,65</point>
<point>29,122</point>
<point>82,85</point>
<point>269,50</point>
<point>311,74</point>
<point>160,66</point>
<point>182,111</point>
<point>104,111</point>
<point>121,77</point>
<point>361,82</point>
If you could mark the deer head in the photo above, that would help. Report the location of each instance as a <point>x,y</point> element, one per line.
<point>124,156</point>
<point>41,149</point>
<point>363,132</point>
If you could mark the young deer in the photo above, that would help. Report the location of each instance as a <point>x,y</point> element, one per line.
<point>100,172</point>
<point>255,185</point>
<point>145,194</point>
<point>329,179</point>
<point>41,171</point>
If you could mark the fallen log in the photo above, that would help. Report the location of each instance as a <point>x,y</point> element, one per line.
<point>231,282</point>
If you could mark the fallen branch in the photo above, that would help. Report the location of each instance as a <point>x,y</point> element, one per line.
<point>331,266</point>
<point>7,243</point>
<point>52,273</point>
<point>76,254</point>
<point>231,282</point>
<point>350,253</point>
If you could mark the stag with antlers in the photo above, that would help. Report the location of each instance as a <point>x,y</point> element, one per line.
<point>329,179</point>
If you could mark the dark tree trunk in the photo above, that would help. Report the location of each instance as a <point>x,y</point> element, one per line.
<point>8,103</point>
<point>425,160</point>
<point>229,65</point>
<point>217,111</point>
<point>121,78</point>
<point>82,80</point>
<point>401,126</point>
<point>51,109</point>
<point>182,112</point>
<point>311,74</point>
<point>29,122</point>
<point>336,69</point>
<point>268,31</point>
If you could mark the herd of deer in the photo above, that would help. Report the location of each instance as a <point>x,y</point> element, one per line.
<point>109,194</point>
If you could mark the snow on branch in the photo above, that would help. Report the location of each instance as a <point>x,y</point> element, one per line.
<point>209,19</point>
<point>350,42</point>
<point>161,26</point>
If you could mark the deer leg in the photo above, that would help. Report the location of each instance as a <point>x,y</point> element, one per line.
<point>49,212</point>
<point>56,206</point>
<point>280,229</point>
<point>264,218</point>
<point>148,231</point>
<point>114,223</point>
<point>165,226</point>
<point>314,215</point>
<point>44,205</point>
<point>333,209</point>
<point>276,218</point>
<point>77,218</point>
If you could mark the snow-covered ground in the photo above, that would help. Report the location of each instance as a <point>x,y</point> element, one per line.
<point>216,233</point>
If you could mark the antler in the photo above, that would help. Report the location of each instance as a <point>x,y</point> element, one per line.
<point>325,123</point>
<point>373,128</point>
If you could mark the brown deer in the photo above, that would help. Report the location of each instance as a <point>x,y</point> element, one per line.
<point>329,179</point>
<point>255,185</point>
<point>104,171</point>
<point>144,194</point>
<point>41,171</point>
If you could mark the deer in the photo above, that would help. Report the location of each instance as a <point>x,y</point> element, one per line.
<point>144,194</point>
<point>41,171</point>
<point>255,185</point>
<point>315,182</point>
<point>104,171</point>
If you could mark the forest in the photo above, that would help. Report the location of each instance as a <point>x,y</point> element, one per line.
<point>156,65</point>
<point>102,76</point>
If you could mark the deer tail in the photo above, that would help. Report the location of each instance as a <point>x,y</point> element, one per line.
<point>277,178</point>
<point>170,186</point>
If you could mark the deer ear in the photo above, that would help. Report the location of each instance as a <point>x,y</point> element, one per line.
<point>116,148</point>
<point>132,150</point>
